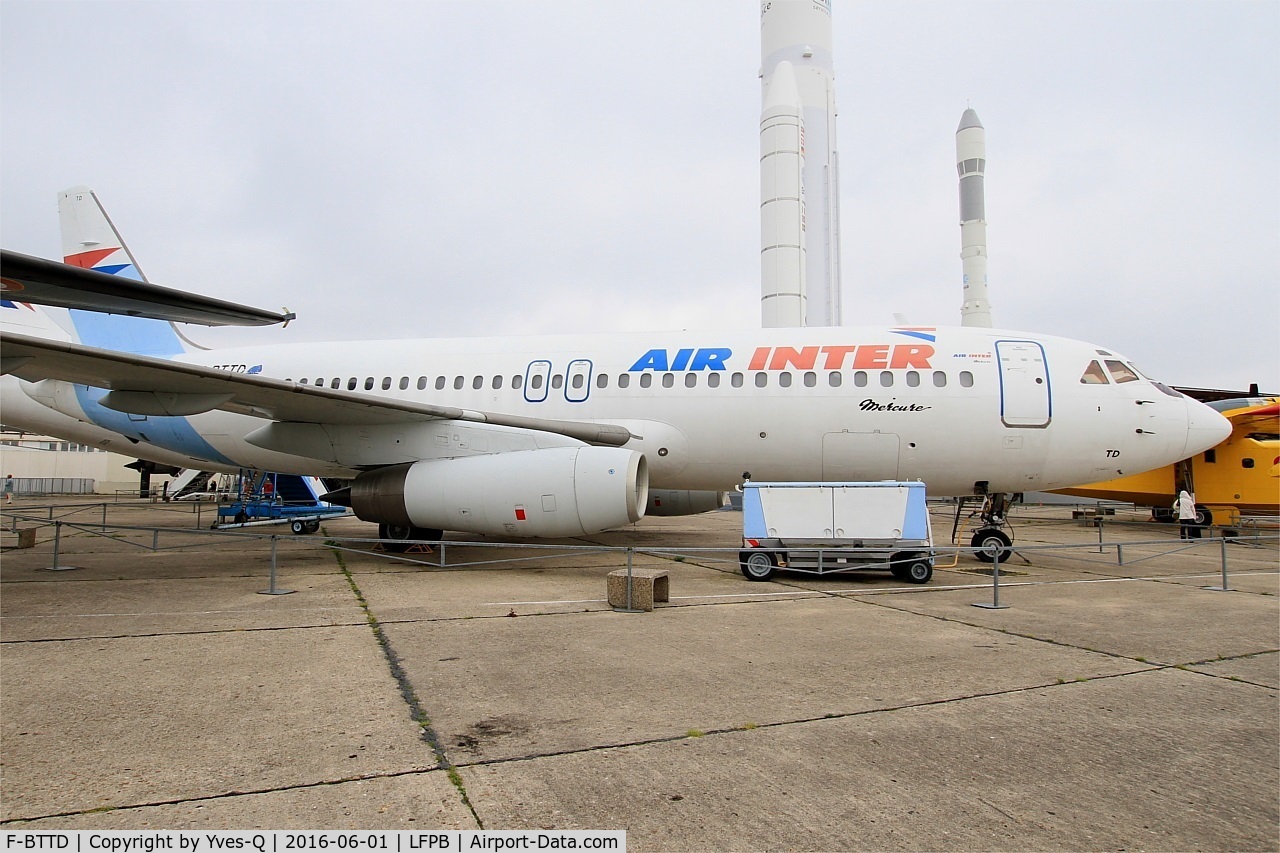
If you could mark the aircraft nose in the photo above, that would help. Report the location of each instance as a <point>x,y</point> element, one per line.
<point>1206,428</point>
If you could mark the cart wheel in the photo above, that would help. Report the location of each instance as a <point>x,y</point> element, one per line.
<point>241,517</point>
<point>918,571</point>
<point>992,542</point>
<point>313,526</point>
<point>757,565</point>
<point>298,527</point>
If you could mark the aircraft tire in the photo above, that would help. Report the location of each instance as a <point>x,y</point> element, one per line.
<point>991,542</point>
<point>1204,518</point>
<point>757,565</point>
<point>397,538</point>
<point>298,527</point>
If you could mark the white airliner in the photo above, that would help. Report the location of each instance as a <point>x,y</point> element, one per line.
<point>567,435</point>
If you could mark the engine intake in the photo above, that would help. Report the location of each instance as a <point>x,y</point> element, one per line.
<point>552,492</point>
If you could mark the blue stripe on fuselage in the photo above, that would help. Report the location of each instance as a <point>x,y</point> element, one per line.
<point>171,433</point>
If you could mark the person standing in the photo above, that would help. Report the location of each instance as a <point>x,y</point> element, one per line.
<point>1186,507</point>
<point>8,488</point>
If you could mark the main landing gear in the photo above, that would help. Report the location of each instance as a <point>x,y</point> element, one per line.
<point>399,538</point>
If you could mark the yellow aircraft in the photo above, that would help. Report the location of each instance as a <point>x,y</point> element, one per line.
<point>1239,477</point>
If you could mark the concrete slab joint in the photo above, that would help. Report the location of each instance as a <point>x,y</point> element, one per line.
<point>647,586</point>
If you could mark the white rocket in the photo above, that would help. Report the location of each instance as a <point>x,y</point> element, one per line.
<point>799,175</point>
<point>971,164</point>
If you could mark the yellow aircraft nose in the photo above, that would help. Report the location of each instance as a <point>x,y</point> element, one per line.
<point>1206,428</point>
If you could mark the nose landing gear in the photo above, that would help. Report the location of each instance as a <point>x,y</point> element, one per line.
<point>990,538</point>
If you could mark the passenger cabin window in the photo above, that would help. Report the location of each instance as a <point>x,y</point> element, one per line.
<point>335,383</point>
<point>422,383</point>
<point>784,379</point>
<point>624,380</point>
<point>577,381</point>
<point>646,379</point>
<point>1120,372</point>
<point>762,379</point>
<point>477,382</point>
<point>713,380</point>
<point>497,382</point>
<point>736,380</point>
<point>913,379</point>
<point>319,383</point>
<point>602,380</point>
<point>368,383</point>
<point>939,379</point>
<point>386,383</point>
<point>810,379</point>
<point>668,380</point>
<point>517,382</point>
<point>351,384</point>
<point>1094,374</point>
<point>404,383</point>
<point>690,380</point>
<point>834,379</point>
<point>886,379</point>
<point>440,380</point>
<point>535,382</point>
<point>966,379</point>
<point>557,382</point>
<point>458,382</point>
<point>860,378</point>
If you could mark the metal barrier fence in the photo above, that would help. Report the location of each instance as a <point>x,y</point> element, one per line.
<point>434,554</point>
<point>39,487</point>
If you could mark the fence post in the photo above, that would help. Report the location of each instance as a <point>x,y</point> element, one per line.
<point>629,607</point>
<point>272,590</point>
<point>1119,554</point>
<point>57,548</point>
<point>995,584</point>
<point>104,516</point>
<point>1224,587</point>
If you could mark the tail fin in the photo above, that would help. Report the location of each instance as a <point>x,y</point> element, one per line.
<point>31,320</point>
<point>90,241</point>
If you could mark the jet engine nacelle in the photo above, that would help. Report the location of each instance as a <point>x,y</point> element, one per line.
<point>684,502</point>
<point>551,492</point>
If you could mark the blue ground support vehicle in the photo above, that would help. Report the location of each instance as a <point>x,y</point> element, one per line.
<point>823,528</point>
<point>266,498</point>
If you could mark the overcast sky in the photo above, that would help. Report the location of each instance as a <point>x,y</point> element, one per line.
<point>465,168</point>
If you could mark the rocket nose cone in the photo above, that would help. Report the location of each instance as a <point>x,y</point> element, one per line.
<point>967,120</point>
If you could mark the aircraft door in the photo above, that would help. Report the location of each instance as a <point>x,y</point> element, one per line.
<point>1025,399</point>
<point>577,383</point>
<point>537,381</point>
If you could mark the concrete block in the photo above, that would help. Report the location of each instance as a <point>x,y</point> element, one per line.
<point>647,586</point>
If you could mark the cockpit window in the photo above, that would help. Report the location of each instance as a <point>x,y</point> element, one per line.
<point>1120,372</point>
<point>1094,374</point>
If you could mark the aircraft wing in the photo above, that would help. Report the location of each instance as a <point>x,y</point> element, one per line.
<point>153,386</point>
<point>1262,416</point>
<point>28,279</point>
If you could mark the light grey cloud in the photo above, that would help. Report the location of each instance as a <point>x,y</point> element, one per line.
<point>441,168</point>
